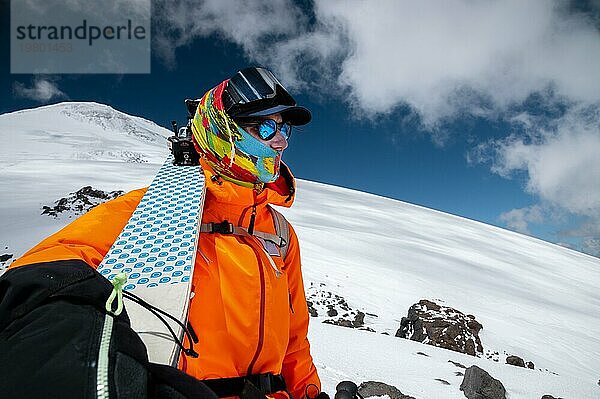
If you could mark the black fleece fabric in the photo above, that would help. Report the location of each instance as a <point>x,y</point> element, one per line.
<point>51,321</point>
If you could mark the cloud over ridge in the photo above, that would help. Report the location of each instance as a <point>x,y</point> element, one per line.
<point>443,61</point>
<point>42,90</point>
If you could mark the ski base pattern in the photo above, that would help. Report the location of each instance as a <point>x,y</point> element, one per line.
<point>157,249</point>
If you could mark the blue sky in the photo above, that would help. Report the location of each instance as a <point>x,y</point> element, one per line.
<point>488,111</point>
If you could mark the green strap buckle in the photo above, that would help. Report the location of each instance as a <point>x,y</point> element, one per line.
<point>117,293</point>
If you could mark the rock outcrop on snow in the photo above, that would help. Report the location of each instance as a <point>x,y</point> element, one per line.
<point>457,364</point>
<point>441,326</point>
<point>519,362</point>
<point>374,388</point>
<point>79,202</point>
<point>5,260</point>
<point>5,257</point>
<point>515,361</point>
<point>325,303</point>
<point>478,384</point>
<point>357,322</point>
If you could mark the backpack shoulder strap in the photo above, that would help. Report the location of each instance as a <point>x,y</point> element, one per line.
<point>281,237</point>
<point>282,229</point>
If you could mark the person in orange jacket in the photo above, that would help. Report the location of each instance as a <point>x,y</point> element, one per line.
<point>249,308</point>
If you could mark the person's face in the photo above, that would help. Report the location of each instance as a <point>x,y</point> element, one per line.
<point>278,142</point>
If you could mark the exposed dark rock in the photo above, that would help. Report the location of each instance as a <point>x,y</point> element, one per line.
<point>358,322</point>
<point>515,361</point>
<point>442,381</point>
<point>325,301</point>
<point>374,388</point>
<point>459,373</point>
<point>441,326</point>
<point>457,364</point>
<point>549,397</point>
<point>422,354</point>
<point>80,202</point>
<point>311,310</point>
<point>359,319</point>
<point>478,384</point>
<point>5,261</point>
<point>552,372</point>
<point>495,356</point>
<point>385,333</point>
<point>530,365</point>
<point>340,322</point>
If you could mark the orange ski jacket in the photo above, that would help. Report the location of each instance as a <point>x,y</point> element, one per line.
<point>249,318</point>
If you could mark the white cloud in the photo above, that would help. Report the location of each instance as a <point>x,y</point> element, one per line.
<point>246,23</point>
<point>450,58</point>
<point>561,164</point>
<point>42,90</point>
<point>519,219</point>
<point>588,232</point>
<point>591,246</point>
<point>443,59</point>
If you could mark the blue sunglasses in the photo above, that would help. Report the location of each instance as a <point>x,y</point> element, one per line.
<point>267,129</point>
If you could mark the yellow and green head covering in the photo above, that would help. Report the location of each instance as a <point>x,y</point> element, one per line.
<point>230,150</point>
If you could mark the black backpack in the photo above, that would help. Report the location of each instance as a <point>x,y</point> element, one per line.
<point>52,320</point>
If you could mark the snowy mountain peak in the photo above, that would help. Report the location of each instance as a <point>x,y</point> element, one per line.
<point>110,119</point>
<point>81,130</point>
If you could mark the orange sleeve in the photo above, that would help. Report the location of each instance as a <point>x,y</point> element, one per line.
<point>298,370</point>
<point>89,237</point>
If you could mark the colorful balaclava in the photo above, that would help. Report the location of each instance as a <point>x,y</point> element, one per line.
<point>232,152</point>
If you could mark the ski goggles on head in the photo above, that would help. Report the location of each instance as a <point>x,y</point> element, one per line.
<point>255,88</point>
<point>267,128</point>
<point>256,92</point>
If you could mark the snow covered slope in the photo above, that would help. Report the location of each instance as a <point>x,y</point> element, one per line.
<point>50,151</point>
<point>534,299</point>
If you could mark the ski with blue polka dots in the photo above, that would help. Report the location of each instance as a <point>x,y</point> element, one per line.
<point>157,249</point>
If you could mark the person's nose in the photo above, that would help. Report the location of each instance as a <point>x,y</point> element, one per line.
<point>278,143</point>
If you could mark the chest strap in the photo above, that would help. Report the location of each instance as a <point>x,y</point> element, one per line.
<point>227,227</point>
<point>280,238</point>
<point>236,386</point>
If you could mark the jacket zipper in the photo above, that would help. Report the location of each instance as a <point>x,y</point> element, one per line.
<point>261,328</point>
<point>253,215</point>
<point>102,389</point>
<point>290,299</point>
